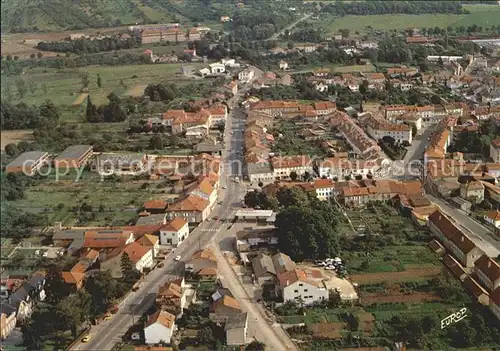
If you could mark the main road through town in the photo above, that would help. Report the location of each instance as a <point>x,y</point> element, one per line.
<point>106,334</point>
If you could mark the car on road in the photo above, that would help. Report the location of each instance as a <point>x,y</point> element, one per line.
<point>177,258</point>
<point>224,187</point>
<point>108,316</point>
<point>160,264</point>
<point>87,338</point>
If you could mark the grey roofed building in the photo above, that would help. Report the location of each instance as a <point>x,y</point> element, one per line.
<point>152,219</point>
<point>220,293</point>
<point>238,320</point>
<point>283,263</point>
<point>259,168</point>
<point>208,147</point>
<point>69,234</point>
<point>30,156</point>
<point>29,288</point>
<point>73,152</point>
<point>263,264</point>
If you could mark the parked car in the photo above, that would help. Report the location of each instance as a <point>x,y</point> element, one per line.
<point>177,258</point>
<point>86,338</point>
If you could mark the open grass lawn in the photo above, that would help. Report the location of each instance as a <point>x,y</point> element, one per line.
<point>57,198</point>
<point>64,85</point>
<point>482,15</point>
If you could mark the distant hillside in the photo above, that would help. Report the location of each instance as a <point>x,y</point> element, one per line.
<point>57,15</point>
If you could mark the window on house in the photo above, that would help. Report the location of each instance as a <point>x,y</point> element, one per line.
<point>300,284</point>
<point>305,290</point>
<point>295,291</point>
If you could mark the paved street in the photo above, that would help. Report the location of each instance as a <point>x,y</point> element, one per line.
<point>108,333</point>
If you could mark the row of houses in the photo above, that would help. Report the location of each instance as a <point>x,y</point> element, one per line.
<point>193,124</point>
<point>479,273</point>
<point>175,295</point>
<point>18,298</point>
<point>378,127</point>
<point>172,34</point>
<point>428,113</point>
<point>357,193</point>
<point>362,145</point>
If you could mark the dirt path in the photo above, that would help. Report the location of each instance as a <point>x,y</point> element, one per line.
<point>409,274</point>
<point>368,299</point>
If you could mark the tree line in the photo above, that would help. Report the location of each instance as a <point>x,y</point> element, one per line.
<point>376,7</point>
<point>84,45</point>
<point>260,24</point>
<point>22,116</point>
<point>64,310</point>
<point>112,112</point>
<point>306,226</point>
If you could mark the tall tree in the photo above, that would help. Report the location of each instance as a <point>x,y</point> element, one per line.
<point>126,265</point>
<point>55,287</point>
<point>99,81</point>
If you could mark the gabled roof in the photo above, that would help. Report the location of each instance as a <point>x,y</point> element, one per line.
<point>452,232</point>
<point>263,264</point>
<point>290,277</point>
<point>190,203</point>
<point>148,240</point>
<point>135,251</point>
<point>283,263</point>
<point>489,267</point>
<point>227,301</point>
<point>161,317</point>
<point>170,289</point>
<point>72,277</point>
<point>175,225</point>
<point>205,254</point>
<point>474,287</point>
<point>155,205</point>
<point>493,215</point>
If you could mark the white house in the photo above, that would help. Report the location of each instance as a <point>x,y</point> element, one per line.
<point>218,113</point>
<point>283,65</point>
<point>321,87</point>
<point>323,188</point>
<point>298,285</point>
<point>246,75</point>
<point>341,167</point>
<point>284,166</point>
<point>159,328</point>
<point>174,232</point>
<point>217,68</point>
<point>141,256</point>
<point>488,272</point>
<point>493,218</point>
<point>495,150</point>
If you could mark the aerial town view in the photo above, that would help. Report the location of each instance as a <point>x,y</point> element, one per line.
<point>250,175</point>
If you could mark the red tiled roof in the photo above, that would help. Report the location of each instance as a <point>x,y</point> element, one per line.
<point>155,205</point>
<point>489,267</point>
<point>452,232</point>
<point>135,251</point>
<point>162,317</point>
<point>175,225</point>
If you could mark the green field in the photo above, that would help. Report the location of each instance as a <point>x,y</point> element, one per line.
<point>63,85</point>
<point>119,199</point>
<point>60,15</point>
<point>482,15</point>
